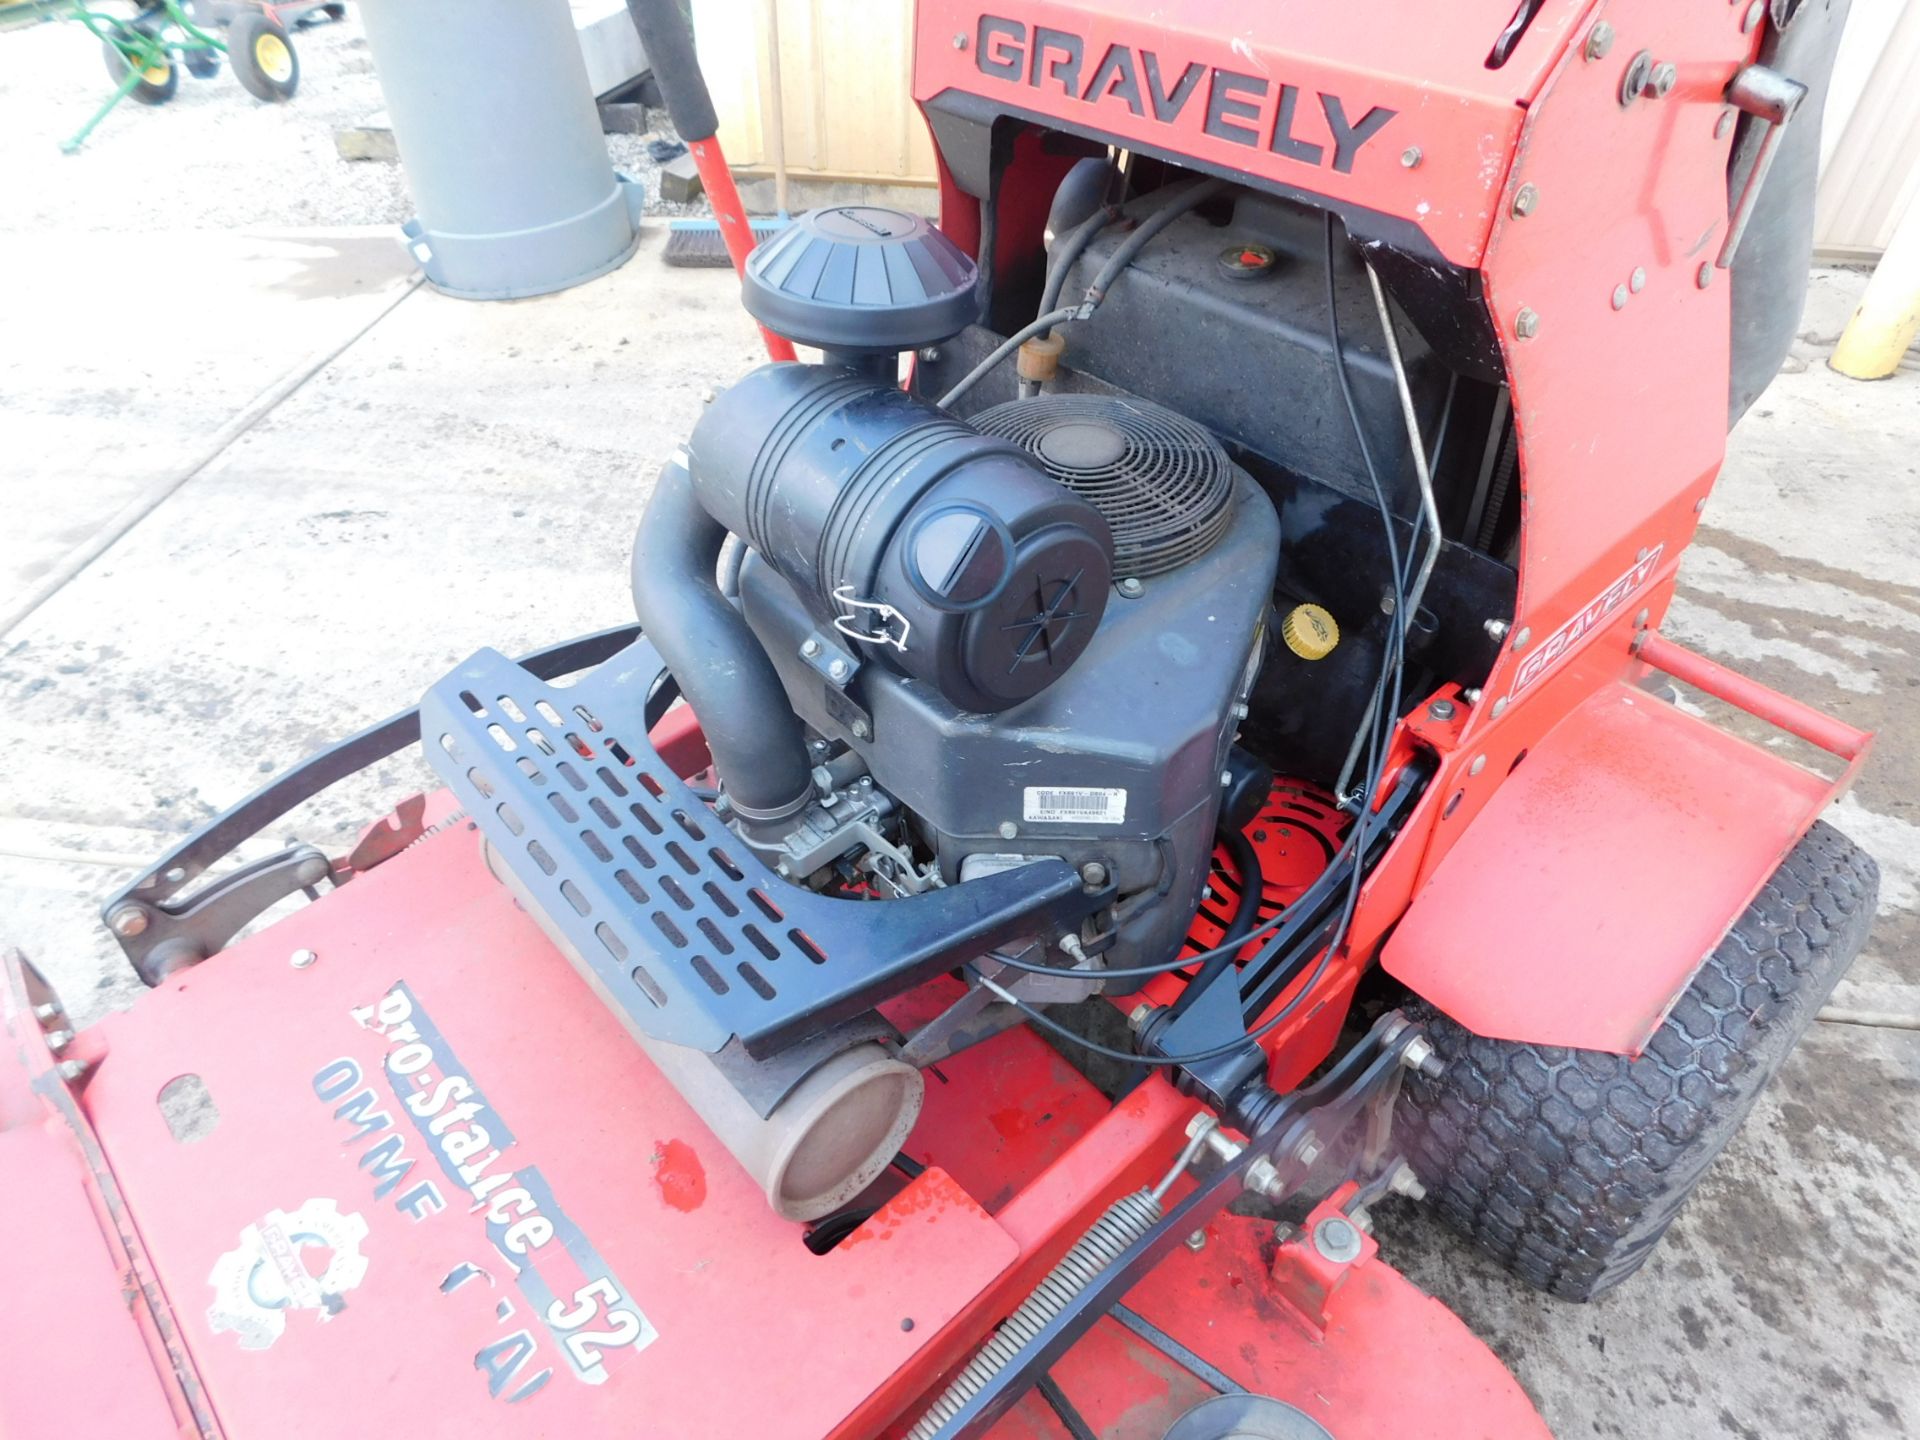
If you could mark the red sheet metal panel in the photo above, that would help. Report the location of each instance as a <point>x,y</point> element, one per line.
<point>601,1266</point>
<point>1616,339</point>
<point>1330,99</point>
<point>1601,874</point>
<point>73,1362</point>
<point>1393,1363</point>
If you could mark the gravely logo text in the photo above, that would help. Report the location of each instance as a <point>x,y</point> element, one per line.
<point>1239,108</point>
<point>1597,609</point>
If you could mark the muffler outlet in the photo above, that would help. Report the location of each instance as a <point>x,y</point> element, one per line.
<point>825,1142</point>
<point>835,1128</point>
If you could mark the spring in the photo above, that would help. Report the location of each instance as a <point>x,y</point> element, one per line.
<point>1124,1222</point>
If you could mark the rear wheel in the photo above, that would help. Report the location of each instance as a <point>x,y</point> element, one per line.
<point>1567,1166</point>
<point>262,55</point>
<point>157,82</point>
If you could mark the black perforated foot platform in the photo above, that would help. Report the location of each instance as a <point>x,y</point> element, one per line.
<point>681,927</point>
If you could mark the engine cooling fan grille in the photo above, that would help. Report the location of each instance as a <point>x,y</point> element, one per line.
<point>1164,485</point>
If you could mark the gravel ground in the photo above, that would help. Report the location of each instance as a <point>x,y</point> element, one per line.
<point>213,157</point>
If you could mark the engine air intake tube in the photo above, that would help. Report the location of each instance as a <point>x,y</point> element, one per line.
<point>756,739</point>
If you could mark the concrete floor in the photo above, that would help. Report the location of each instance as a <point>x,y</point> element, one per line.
<point>373,480</point>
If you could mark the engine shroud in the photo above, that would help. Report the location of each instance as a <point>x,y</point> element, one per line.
<point>1118,762</point>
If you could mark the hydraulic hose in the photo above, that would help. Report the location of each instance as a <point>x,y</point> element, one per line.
<point>757,741</point>
<point>1196,194</point>
<point>1068,250</point>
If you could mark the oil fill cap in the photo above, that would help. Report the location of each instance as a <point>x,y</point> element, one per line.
<point>1310,632</point>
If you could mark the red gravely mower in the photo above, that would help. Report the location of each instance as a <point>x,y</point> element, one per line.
<point>1072,832</point>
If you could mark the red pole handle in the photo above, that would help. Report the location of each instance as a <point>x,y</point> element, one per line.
<point>1816,727</point>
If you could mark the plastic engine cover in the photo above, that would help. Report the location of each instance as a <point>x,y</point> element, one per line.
<point>1121,753</point>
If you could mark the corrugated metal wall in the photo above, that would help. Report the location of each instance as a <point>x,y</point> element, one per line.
<point>1870,141</point>
<point>845,83</point>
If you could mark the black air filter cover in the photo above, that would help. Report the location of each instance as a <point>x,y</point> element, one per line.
<point>860,278</point>
<point>1163,483</point>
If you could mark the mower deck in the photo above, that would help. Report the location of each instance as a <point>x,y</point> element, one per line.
<point>593,1263</point>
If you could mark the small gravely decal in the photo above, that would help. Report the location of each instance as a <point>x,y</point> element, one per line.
<point>1555,646</point>
<point>267,1275</point>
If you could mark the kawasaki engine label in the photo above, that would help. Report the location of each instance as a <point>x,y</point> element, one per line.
<point>1073,805</point>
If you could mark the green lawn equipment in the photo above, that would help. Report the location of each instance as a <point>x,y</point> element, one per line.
<point>144,54</point>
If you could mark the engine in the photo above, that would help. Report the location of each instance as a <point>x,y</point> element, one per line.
<point>949,649</point>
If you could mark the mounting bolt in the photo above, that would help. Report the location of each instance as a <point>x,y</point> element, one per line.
<point>809,647</point>
<point>929,353</point>
<point>1093,873</point>
<point>1406,1183</point>
<point>1197,1241</point>
<point>1419,1050</point>
<point>1526,324</point>
<point>1479,764</point>
<point>48,1011</point>
<point>1471,695</point>
<point>1008,829</point>
<point>1704,276</point>
<point>1410,157</point>
<point>1599,41</point>
<point>1619,297</point>
<point>1634,78</point>
<point>177,875</point>
<point>128,921</point>
<point>1226,779</point>
<point>58,1040</point>
<point>1441,709</point>
<point>1637,281</point>
<point>862,730</point>
<point>708,396</point>
<point>301,959</point>
<point>72,1069</point>
<point>1640,620</point>
<point>1262,1179</point>
<point>1137,1021</point>
<point>1661,82</point>
<point>1520,640</point>
<point>1130,587</point>
<point>1700,505</point>
<point>1724,125</point>
<point>1308,1151</point>
<point>1499,707</point>
<point>959,42</point>
<point>1750,21</point>
<point>1337,1239</point>
<point>839,670</point>
<point>1524,199</point>
<point>1496,628</point>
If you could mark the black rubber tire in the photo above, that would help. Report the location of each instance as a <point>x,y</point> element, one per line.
<point>147,92</point>
<point>202,64</point>
<point>1567,1166</point>
<point>250,31</point>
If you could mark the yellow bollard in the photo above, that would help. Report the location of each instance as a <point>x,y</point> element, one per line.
<point>1889,314</point>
